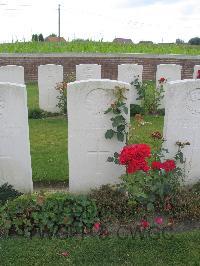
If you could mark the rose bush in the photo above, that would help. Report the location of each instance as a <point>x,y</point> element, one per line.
<point>150,181</point>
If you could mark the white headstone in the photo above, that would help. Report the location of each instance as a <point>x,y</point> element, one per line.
<point>128,73</point>
<point>88,71</point>
<point>12,73</point>
<point>182,123</point>
<point>88,149</point>
<point>15,160</point>
<point>196,71</point>
<point>48,78</point>
<point>170,72</point>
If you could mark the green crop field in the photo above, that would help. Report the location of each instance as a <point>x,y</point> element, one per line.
<point>98,47</point>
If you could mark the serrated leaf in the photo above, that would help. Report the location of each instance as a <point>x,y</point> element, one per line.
<point>120,136</point>
<point>121,128</point>
<point>109,134</point>
<point>118,120</point>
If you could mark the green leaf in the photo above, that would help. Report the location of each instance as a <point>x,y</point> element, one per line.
<point>116,111</point>
<point>109,134</point>
<point>116,154</point>
<point>108,110</point>
<point>125,110</point>
<point>116,161</point>
<point>110,159</point>
<point>120,136</point>
<point>121,128</point>
<point>150,206</point>
<point>118,120</point>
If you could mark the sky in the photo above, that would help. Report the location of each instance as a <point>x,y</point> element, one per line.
<point>150,20</point>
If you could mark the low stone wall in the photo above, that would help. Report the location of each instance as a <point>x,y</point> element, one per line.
<point>109,62</point>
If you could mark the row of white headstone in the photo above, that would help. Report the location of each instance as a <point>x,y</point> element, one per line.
<point>87,147</point>
<point>50,75</point>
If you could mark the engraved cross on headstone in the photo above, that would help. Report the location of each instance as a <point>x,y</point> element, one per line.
<point>98,153</point>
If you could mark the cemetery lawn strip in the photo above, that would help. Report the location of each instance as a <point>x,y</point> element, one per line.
<point>182,249</point>
<point>32,95</point>
<point>48,138</point>
<point>97,47</point>
<point>142,133</point>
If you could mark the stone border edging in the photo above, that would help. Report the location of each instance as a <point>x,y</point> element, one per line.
<point>103,55</point>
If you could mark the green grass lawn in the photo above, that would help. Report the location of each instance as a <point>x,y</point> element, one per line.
<point>98,47</point>
<point>48,138</point>
<point>182,249</point>
<point>33,95</point>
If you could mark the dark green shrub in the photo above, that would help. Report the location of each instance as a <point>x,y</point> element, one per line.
<point>112,204</point>
<point>50,214</point>
<point>38,113</point>
<point>7,192</point>
<point>136,109</point>
<point>194,41</point>
<point>35,113</point>
<point>161,112</point>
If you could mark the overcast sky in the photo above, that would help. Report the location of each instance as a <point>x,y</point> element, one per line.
<point>155,20</point>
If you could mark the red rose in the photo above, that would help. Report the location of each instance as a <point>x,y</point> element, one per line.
<point>133,156</point>
<point>136,165</point>
<point>168,165</point>
<point>156,165</point>
<point>158,220</point>
<point>161,80</point>
<point>96,226</point>
<point>144,224</point>
<point>134,152</point>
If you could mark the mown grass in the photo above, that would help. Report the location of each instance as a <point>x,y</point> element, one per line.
<point>33,95</point>
<point>182,249</point>
<point>48,139</point>
<point>98,47</point>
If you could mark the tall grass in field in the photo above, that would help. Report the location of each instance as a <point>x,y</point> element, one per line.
<point>98,47</point>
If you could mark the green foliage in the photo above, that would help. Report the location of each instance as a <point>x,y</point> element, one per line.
<point>179,41</point>
<point>112,203</point>
<point>194,41</point>
<point>118,109</point>
<point>148,95</point>
<point>153,189</point>
<point>62,88</point>
<point>34,38</point>
<point>7,192</point>
<point>38,113</point>
<point>136,109</point>
<point>40,38</point>
<point>37,38</point>
<point>97,47</point>
<point>48,215</point>
<point>35,113</point>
